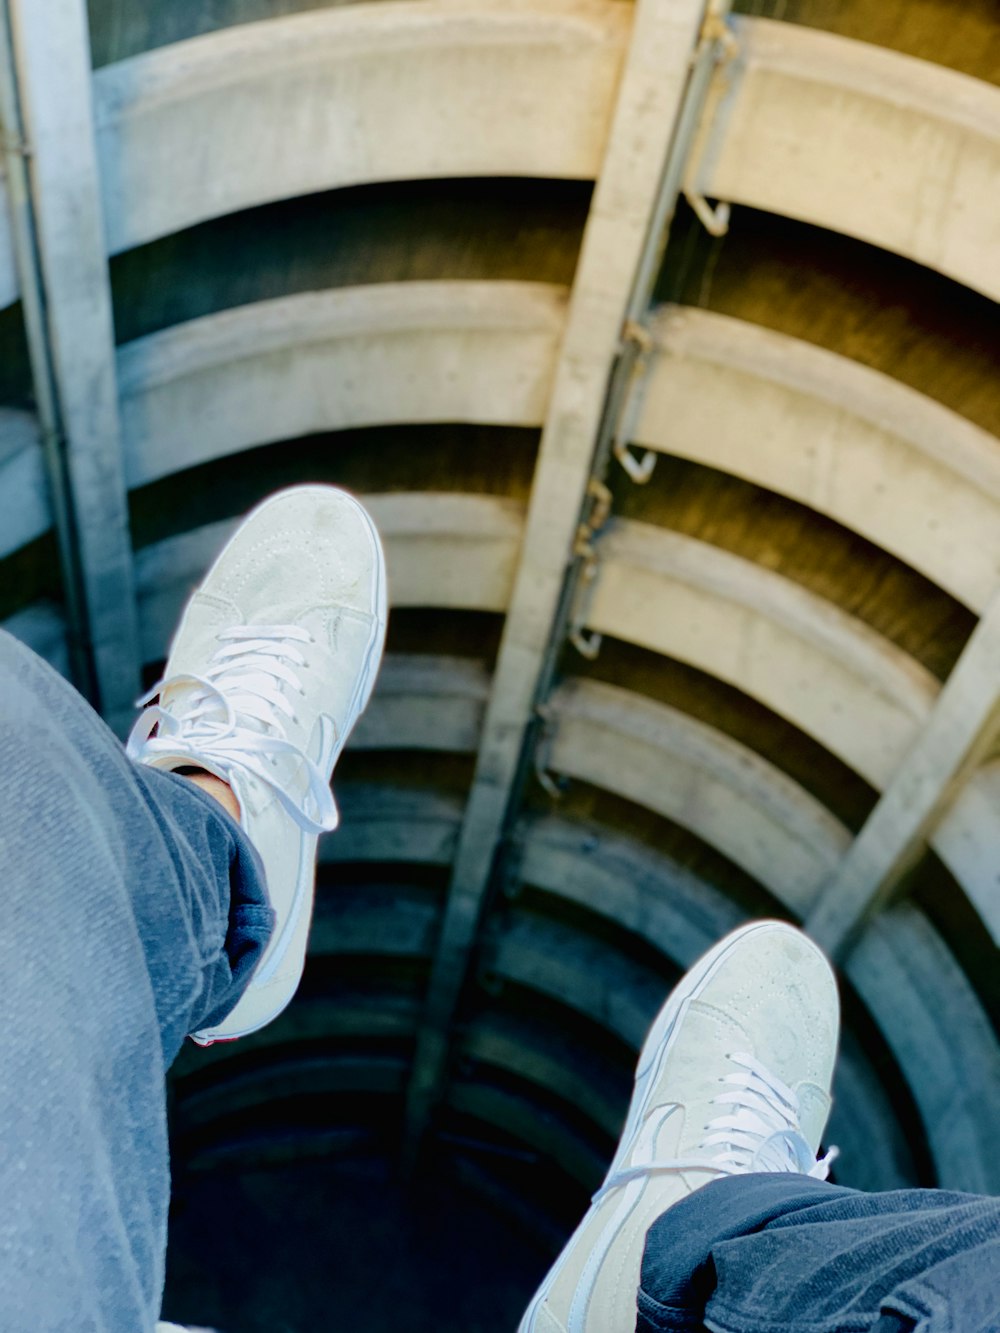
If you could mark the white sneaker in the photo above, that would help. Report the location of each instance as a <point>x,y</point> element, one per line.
<point>734,1077</point>
<point>273,663</point>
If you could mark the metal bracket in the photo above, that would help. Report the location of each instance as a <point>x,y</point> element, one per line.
<point>588,645</point>
<point>548,782</point>
<point>715,29</point>
<point>542,753</point>
<point>715,219</point>
<point>639,470</point>
<point>595,520</point>
<point>716,34</point>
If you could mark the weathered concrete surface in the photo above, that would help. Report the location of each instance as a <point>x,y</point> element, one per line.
<point>898,152</point>
<point>357,356</point>
<point>850,442</point>
<point>345,96</point>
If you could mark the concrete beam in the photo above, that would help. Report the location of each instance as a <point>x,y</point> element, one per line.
<point>387,920</point>
<point>354,94</point>
<point>436,89</point>
<point>556,1142</point>
<point>232,1092</point>
<point>824,671</point>
<point>967,839</point>
<point>52,57</point>
<point>24,500</point>
<point>941,1037</point>
<point>653,82</point>
<point>956,738</point>
<point>524,1056</point>
<point>577,970</point>
<point>480,352</point>
<point>425,702</point>
<point>719,391</point>
<point>348,1009</point>
<point>698,778</point>
<point>722,392</point>
<point>801,656</point>
<point>794,418</point>
<point>646,893</point>
<point>385,824</point>
<point>882,459</point>
<point>559,1067</point>
<point>896,151</point>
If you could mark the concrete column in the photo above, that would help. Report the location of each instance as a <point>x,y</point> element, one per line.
<point>52,61</point>
<point>613,258</point>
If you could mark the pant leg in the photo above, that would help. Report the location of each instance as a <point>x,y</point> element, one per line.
<point>782,1253</point>
<point>134,911</point>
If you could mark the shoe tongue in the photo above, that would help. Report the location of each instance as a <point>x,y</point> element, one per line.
<point>179,698</point>
<point>176,698</point>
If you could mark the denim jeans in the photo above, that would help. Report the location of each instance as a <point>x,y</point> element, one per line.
<point>787,1254</point>
<point>134,913</point>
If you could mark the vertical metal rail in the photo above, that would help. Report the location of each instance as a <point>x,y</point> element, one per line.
<point>715,41</point>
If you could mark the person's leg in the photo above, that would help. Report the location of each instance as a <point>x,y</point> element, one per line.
<point>136,907</point>
<point>733,1077</point>
<point>714,1192</point>
<point>118,939</point>
<point>678,1277</point>
<point>790,1253</point>
<point>274,661</point>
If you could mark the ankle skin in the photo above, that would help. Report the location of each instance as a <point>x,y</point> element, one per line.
<point>216,788</point>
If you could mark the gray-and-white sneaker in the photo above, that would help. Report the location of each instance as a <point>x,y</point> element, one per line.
<point>274,661</point>
<point>734,1077</point>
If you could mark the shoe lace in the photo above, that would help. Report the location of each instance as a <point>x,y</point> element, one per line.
<point>232,717</point>
<point>758,1131</point>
